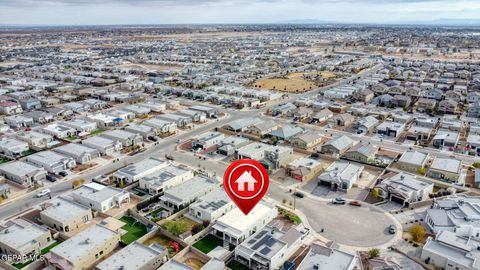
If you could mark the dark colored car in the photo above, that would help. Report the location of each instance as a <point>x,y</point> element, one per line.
<point>63,173</point>
<point>51,178</point>
<point>299,194</point>
<point>392,229</point>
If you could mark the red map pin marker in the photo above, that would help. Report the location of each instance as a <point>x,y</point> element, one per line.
<point>246,182</point>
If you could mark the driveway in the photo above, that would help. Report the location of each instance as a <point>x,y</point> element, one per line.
<point>364,226</point>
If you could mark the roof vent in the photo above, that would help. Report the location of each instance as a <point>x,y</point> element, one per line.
<point>87,241</point>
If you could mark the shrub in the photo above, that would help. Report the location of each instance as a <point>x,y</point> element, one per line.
<point>418,232</point>
<point>374,253</point>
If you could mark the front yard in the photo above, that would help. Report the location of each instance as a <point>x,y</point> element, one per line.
<point>134,229</point>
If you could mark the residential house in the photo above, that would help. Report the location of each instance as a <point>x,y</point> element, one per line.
<point>304,169</point>
<point>235,230</point>
<point>268,248</point>
<point>413,161</point>
<point>134,172</point>
<point>401,101</point>
<point>254,150</point>
<point>426,104</point>
<point>263,127</point>
<point>322,257</point>
<point>20,239</point>
<point>99,197</point>
<point>10,108</point>
<point>338,145</point>
<point>341,175</point>
<point>343,120</point>
<point>126,138</point>
<point>207,140</point>
<point>448,106</point>
<point>276,157</point>
<point>284,133</point>
<point>146,258</point>
<point>105,146</point>
<point>12,148</point>
<point>451,251</point>
<point>362,152</point>
<point>390,129</point>
<point>404,188</point>
<point>22,173</point>
<point>363,95</point>
<point>84,249</point>
<point>59,131</point>
<point>366,124</point>
<point>321,116</point>
<point>180,196</point>
<point>446,169</point>
<point>306,140</point>
<point>19,121</point>
<point>81,126</point>
<point>65,215</point>
<point>81,153</point>
<point>212,206</point>
<point>51,161</point>
<point>163,178</point>
<point>161,126</point>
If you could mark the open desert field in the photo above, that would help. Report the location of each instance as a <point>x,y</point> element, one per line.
<point>293,82</point>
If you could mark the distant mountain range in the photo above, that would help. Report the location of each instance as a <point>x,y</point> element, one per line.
<point>439,22</point>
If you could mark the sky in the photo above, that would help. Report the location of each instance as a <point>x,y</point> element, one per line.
<point>98,12</point>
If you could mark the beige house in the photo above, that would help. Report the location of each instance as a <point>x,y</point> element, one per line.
<point>65,215</point>
<point>304,169</point>
<point>306,140</point>
<point>362,152</point>
<point>446,169</point>
<point>86,248</point>
<point>22,239</point>
<point>413,161</point>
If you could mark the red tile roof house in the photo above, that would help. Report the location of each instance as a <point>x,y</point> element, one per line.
<point>10,108</point>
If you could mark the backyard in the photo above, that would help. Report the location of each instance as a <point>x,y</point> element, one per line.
<point>209,243</point>
<point>179,226</point>
<point>134,229</point>
<point>165,242</point>
<point>42,252</point>
<point>234,265</point>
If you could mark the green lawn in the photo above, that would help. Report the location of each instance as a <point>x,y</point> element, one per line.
<point>234,265</point>
<point>2,160</point>
<point>134,229</point>
<point>179,226</point>
<point>71,138</point>
<point>42,252</point>
<point>209,243</point>
<point>29,152</point>
<point>156,212</point>
<point>97,131</point>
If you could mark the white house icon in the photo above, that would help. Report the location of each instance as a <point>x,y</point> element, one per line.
<point>247,178</point>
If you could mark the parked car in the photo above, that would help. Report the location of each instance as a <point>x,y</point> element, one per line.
<point>51,178</point>
<point>339,200</point>
<point>355,203</point>
<point>43,192</point>
<point>63,173</point>
<point>169,157</point>
<point>152,138</point>
<point>299,194</point>
<point>392,229</point>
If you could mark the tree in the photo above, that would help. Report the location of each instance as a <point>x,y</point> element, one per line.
<point>375,193</point>
<point>476,165</point>
<point>175,227</point>
<point>421,171</point>
<point>374,253</point>
<point>418,233</point>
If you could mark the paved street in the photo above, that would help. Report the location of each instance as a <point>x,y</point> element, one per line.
<point>349,225</point>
